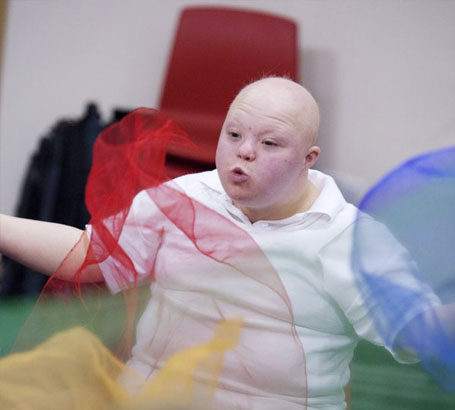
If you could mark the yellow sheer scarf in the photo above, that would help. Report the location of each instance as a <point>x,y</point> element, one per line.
<point>74,370</point>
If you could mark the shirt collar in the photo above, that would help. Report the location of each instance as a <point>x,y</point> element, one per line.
<point>330,200</point>
<point>328,204</point>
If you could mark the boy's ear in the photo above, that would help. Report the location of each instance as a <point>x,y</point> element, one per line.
<point>312,156</point>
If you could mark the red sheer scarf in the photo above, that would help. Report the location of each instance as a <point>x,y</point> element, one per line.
<point>203,268</point>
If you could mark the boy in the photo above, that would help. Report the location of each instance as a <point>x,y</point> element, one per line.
<point>279,257</point>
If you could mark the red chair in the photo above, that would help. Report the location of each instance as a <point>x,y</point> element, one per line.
<point>216,52</point>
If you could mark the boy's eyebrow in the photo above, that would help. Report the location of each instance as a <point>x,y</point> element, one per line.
<point>275,132</point>
<point>231,122</point>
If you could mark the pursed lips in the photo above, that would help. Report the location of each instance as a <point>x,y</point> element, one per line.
<point>238,175</point>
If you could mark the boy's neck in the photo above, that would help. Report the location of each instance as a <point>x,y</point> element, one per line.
<point>302,204</point>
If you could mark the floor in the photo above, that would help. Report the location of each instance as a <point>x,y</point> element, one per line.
<point>378,382</point>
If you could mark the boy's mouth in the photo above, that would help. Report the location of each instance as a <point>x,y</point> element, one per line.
<point>237,174</point>
<point>239,171</point>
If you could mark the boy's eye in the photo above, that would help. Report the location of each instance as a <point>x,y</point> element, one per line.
<point>270,143</point>
<point>234,134</point>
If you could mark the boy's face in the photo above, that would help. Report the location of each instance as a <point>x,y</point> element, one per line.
<point>262,158</point>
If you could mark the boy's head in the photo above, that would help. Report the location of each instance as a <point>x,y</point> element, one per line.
<point>283,97</point>
<point>266,148</point>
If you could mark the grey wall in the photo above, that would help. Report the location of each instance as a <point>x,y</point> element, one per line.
<point>382,71</point>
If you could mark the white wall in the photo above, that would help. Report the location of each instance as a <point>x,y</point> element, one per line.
<point>382,71</point>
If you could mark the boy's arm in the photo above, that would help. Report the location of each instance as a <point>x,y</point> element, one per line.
<point>427,329</point>
<point>42,246</point>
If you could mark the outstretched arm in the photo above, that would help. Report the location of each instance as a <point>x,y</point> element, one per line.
<point>42,246</point>
<point>430,335</point>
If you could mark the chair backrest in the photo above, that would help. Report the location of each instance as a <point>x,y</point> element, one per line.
<point>216,52</point>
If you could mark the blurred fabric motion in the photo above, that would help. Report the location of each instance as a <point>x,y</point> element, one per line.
<point>204,293</point>
<point>98,380</point>
<point>404,260</point>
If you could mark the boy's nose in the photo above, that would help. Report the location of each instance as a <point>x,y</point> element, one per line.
<point>246,151</point>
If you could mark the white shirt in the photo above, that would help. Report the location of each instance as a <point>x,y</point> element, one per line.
<point>311,253</point>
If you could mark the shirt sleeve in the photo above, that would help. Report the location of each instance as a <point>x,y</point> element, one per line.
<point>140,240</point>
<point>365,290</point>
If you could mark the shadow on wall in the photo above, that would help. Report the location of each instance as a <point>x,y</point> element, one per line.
<point>321,77</point>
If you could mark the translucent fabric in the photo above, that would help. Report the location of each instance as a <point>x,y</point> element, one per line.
<point>217,325</point>
<point>74,370</point>
<point>404,260</point>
